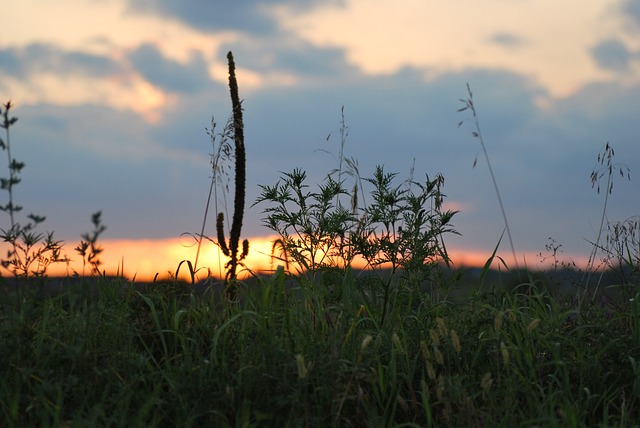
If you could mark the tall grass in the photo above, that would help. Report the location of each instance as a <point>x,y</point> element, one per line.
<point>142,357</point>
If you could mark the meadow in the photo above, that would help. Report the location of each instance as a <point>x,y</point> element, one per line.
<point>408,340</point>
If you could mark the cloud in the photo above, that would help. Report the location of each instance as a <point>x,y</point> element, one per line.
<point>10,62</point>
<point>249,16</point>
<point>292,56</point>
<point>81,159</point>
<point>612,55</point>
<point>507,40</point>
<point>45,58</point>
<point>631,11</point>
<point>168,74</point>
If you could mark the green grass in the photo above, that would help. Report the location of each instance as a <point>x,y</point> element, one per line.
<point>285,356</point>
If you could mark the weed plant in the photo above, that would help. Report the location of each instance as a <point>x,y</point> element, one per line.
<point>88,247</point>
<point>30,252</point>
<point>232,248</point>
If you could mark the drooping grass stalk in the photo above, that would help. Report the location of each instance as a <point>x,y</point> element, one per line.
<point>221,154</point>
<point>204,222</point>
<point>605,159</point>
<point>344,132</point>
<point>469,105</point>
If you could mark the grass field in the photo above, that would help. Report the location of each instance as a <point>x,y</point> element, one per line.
<point>103,353</point>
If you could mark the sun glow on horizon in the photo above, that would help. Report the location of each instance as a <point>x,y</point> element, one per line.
<point>149,259</point>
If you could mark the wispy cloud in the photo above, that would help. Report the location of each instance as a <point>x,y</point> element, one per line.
<point>248,16</point>
<point>169,74</point>
<point>507,40</point>
<point>613,55</point>
<point>47,58</point>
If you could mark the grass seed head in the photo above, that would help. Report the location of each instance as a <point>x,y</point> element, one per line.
<point>396,341</point>
<point>365,342</point>
<point>431,372</point>
<point>435,340</point>
<point>533,325</point>
<point>442,327</point>
<point>440,389</point>
<point>486,382</point>
<point>505,353</point>
<point>497,322</point>
<point>403,403</point>
<point>439,356</point>
<point>456,341</point>
<point>303,369</point>
<point>426,354</point>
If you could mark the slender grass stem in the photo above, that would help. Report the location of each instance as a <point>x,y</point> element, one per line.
<point>607,167</point>
<point>469,105</point>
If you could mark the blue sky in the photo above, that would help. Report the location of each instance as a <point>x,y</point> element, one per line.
<point>113,99</point>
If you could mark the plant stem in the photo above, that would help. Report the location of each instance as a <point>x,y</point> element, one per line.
<point>12,173</point>
<point>478,135</point>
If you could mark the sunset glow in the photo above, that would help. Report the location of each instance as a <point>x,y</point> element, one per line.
<point>145,260</point>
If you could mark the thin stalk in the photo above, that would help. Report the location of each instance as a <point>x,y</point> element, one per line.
<point>12,170</point>
<point>478,134</point>
<point>605,159</point>
<point>594,251</point>
<point>204,222</point>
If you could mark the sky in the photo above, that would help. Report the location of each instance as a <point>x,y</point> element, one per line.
<point>114,98</point>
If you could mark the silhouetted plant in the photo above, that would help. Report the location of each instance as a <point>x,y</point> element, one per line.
<point>312,226</point>
<point>402,229</point>
<point>623,252</point>
<point>31,252</point>
<point>231,249</point>
<point>221,158</point>
<point>469,105</point>
<point>606,168</point>
<point>88,248</point>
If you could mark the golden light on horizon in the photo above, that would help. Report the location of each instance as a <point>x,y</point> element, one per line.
<point>144,260</point>
<point>147,259</point>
